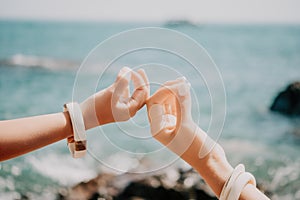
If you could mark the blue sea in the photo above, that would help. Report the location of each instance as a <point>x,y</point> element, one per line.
<point>39,64</point>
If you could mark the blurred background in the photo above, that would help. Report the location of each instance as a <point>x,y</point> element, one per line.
<point>255,44</point>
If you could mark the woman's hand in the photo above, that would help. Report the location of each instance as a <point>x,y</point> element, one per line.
<point>115,104</point>
<point>169,112</point>
<point>171,123</point>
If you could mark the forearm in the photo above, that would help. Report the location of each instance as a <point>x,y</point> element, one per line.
<point>23,135</point>
<point>214,168</point>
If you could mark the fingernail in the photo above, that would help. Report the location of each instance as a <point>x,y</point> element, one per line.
<point>181,78</point>
<point>141,69</point>
<point>189,84</point>
<point>183,89</point>
<point>186,81</point>
<point>126,73</point>
<point>127,76</point>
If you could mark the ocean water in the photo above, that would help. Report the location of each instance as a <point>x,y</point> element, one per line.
<point>38,65</point>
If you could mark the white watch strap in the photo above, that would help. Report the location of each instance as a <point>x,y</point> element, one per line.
<point>238,170</point>
<point>239,185</point>
<point>77,142</point>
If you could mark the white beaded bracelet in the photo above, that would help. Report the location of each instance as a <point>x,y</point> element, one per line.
<point>239,185</point>
<point>238,170</point>
<point>77,142</point>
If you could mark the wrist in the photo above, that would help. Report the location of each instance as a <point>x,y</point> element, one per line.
<point>213,167</point>
<point>67,125</point>
<point>88,113</point>
<point>96,110</point>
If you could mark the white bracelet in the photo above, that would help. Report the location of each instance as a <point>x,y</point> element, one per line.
<point>238,170</point>
<point>77,142</point>
<point>239,185</point>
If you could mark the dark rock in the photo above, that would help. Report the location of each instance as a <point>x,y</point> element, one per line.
<point>200,194</point>
<point>288,101</point>
<point>95,196</point>
<point>141,190</point>
<point>24,197</point>
<point>138,187</point>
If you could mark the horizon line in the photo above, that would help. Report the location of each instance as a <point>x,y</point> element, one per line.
<point>212,22</point>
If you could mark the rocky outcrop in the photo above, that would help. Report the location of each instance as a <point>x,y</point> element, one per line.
<point>179,185</point>
<point>288,101</point>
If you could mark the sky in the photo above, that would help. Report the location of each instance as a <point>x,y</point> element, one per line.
<point>200,11</point>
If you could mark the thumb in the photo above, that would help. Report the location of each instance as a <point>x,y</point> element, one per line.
<point>122,84</point>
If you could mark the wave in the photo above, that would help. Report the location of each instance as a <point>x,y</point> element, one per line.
<point>35,61</point>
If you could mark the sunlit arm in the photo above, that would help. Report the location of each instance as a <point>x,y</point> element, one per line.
<point>20,136</point>
<point>112,104</point>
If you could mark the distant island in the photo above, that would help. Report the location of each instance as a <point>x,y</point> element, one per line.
<point>181,22</point>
